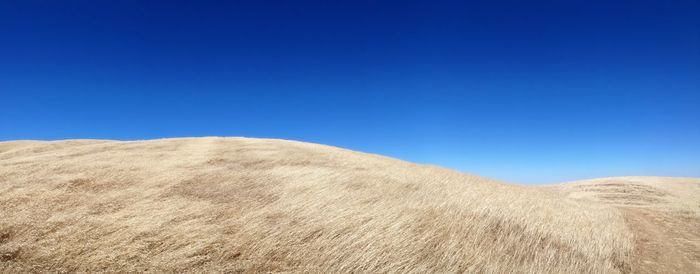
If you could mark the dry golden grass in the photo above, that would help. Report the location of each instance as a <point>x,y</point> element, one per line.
<point>255,205</point>
<point>663,214</point>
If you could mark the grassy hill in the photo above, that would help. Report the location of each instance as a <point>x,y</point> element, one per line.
<point>258,205</point>
<point>663,214</point>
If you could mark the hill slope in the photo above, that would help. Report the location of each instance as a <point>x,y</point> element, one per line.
<point>256,205</point>
<point>663,213</point>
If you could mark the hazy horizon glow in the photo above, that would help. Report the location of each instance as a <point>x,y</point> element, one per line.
<point>524,92</point>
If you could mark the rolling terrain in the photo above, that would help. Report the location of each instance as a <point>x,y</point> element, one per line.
<point>663,214</point>
<point>260,205</point>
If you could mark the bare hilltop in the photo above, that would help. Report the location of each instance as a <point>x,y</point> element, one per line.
<point>259,205</point>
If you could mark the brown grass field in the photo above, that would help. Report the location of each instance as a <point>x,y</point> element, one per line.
<point>258,205</point>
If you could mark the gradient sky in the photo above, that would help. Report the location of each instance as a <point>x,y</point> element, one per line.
<point>522,91</point>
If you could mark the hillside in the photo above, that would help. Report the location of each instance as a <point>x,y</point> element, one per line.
<point>663,213</point>
<point>258,205</point>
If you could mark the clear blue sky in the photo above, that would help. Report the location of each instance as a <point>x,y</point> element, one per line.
<point>523,91</point>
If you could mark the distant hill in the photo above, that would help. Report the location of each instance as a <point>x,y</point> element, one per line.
<point>663,214</point>
<point>258,205</point>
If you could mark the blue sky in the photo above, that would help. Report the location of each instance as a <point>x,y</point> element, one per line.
<point>535,92</point>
